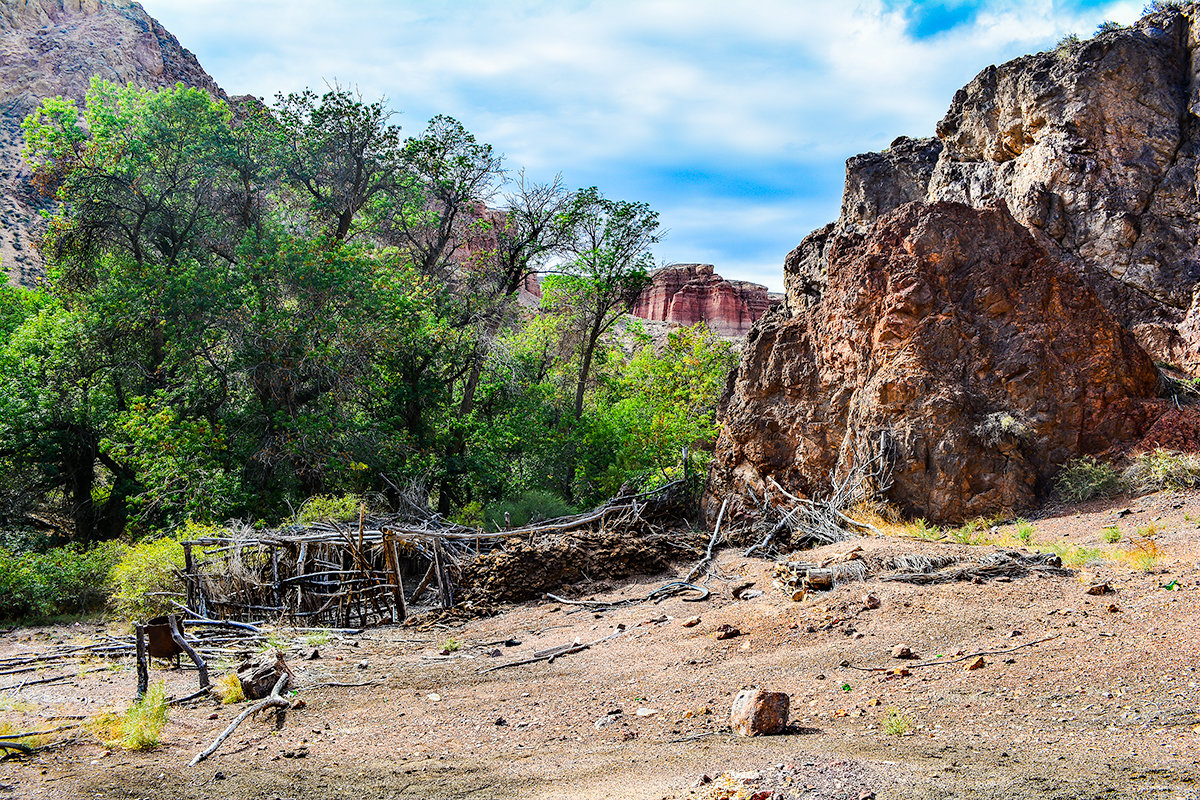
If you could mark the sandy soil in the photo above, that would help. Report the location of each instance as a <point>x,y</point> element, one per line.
<point>1109,707</point>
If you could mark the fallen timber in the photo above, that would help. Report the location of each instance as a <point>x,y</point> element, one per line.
<point>359,572</point>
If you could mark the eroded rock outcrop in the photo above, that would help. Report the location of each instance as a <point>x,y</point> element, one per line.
<point>685,294</point>
<point>1093,147</point>
<point>54,47</point>
<point>982,360</point>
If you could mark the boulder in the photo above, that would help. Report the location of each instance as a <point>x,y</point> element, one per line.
<point>949,337</point>
<point>759,713</point>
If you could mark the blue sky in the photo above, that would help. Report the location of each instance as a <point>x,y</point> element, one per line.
<point>732,119</point>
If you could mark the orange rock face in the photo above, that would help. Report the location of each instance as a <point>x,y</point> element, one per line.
<point>949,337</point>
<point>685,294</point>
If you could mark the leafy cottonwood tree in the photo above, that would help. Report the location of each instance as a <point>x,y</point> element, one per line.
<point>610,247</point>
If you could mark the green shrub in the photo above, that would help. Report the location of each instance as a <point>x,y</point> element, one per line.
<point>62,580</point>
<point>150,567</point>
<point>1025,532</point>
<point>896,723</point>
<point>330,508</point>
<point>1084,477</point>
<point>1111,534</point>
<point>532,506</point>
<point>1160,469</point>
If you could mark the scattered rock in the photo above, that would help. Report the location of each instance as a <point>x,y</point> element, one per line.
<point>312,655</point>
<point>214,716</point>
<point>871,601</point>
<point>750,594</point>
<point>501,722</point>
<point>902,651</point>
<point>1112,608</point>
<point>726,632</point>
<point>757,712</point>
<point>975,663</point>
<point>647,712</point>
<point>691,622</point>
<point>1098,588</point>
<point>363,664</point>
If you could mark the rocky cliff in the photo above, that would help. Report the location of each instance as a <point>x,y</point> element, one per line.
<point>685,294</point>
<point>54,47</point>
<point>983,362</point>
<point>990,301</point>
<point>1093,147</point>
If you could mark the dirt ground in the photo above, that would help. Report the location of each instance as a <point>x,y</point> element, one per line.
<point>1107,708</point>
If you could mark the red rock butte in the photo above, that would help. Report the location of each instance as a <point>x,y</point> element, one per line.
<point>685,294</point>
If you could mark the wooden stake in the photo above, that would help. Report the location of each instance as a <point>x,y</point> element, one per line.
<point>143,670</point>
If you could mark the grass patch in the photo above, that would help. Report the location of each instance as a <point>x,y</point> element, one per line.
<point>1084,477</point>
<point>140,727</point>
<point>229,688</point>
<point>1159,469</point>
<point>896,723</point>
<point>1111,534</point>
<point>920,529</point>
<point>1074,555</point>
<point>1025,532</point>
<point>451,645</point>
<point>1143,552</point>
<point>316,639</point>
<point>33,741</point>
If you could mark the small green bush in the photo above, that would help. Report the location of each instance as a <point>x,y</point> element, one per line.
<point>1111,534</point>
<point>62,580</point>
<point>1159,469</point>
<point>1025,532</point>
<point>532,506</point>
<point>150,567</point>
<point>1084,477</point>
<point>330,508</point>
<point>896,723</point>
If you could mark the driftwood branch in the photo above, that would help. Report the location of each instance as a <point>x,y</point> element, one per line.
<point>712,542</point>
<point>181,643</point>
<point>554,653</point>
<point>274,700</point>
<point>943,661</point>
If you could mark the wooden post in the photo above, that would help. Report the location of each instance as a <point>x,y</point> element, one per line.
<point>275,575</point>
<point>143,671</point>
<point>392,554</point>
<point>189,576</point>
<point>177,635</point>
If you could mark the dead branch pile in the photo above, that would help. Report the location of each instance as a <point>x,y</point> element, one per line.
<point>915,568</point>
<point>375,569</point>
<point>803,522</point>
<point>623,538</point>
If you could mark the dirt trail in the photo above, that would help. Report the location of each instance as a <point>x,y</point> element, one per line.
<point>1109,708</point>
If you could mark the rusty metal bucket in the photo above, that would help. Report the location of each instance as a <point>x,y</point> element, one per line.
<point>159,641</point>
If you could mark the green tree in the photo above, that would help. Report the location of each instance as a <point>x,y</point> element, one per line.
<point>610,247</point>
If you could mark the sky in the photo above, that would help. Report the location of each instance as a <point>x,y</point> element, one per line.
<point>733,120</point>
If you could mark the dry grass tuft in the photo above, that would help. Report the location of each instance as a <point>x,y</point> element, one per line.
<point>229,689</point>
<point>139,728</point>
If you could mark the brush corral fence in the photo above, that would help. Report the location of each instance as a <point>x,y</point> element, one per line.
<point>344,574</point>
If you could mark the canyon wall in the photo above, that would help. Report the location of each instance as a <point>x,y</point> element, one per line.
<point>54,47</point>
<point>685,294</point>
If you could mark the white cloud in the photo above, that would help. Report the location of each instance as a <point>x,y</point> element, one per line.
<point>614,93</point>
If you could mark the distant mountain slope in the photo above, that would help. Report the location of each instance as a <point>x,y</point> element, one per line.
<point>54,47</point>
